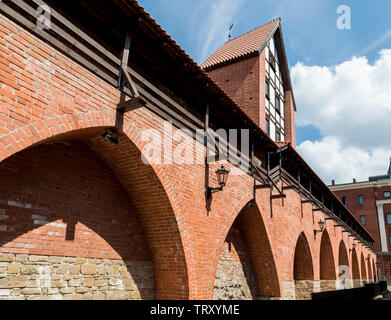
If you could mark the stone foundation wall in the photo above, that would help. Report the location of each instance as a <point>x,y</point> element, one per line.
<point>328,285</point>
<point>30,277</point>
<point>234,281</point>
<point>303,289</point>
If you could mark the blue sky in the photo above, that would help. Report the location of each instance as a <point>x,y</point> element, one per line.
<point>317,51</point>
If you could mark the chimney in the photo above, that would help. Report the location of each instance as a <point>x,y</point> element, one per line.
<point>333,182</point>
<point>354,180</point>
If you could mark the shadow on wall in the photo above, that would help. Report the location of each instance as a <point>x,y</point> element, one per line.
<point>61,199</point>
<point>247,253</point>
<point>303,271</point>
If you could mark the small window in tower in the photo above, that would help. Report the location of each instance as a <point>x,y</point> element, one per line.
<point>344,201</point>
<point>389,241</point>
<point>272,62</point>
<point>387,194</point>
<point>277,104</point>
<point>278,135</point>
<point>267,126</point>
<point>388,218</point>
<point>363,222</point>
<point>361,200</point>
<point>267,89</point>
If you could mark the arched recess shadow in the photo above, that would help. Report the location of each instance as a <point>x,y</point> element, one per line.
<point>149,197</point>
<point>355,269</point>
<point>374,271</point>
<point>303,269</point>
<point>370,272</point>
<point>327,265</point>
<point>261,276</point>
<point>364,273</point>
<point>343,266</point>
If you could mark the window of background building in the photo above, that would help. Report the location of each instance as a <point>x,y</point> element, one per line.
<point>388,218</point>
<point>360,199</point>
<point>344,201</point>
<point>389,240</point>
<point>387,194</point>
<point>363,222</point>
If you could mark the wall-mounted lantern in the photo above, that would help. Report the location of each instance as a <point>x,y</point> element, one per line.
<point>321,227</point>
<point>222,177</point>
<point>109,136</point>
<point>353,247</point>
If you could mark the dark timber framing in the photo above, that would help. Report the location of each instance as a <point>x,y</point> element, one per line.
<point>169,82</point>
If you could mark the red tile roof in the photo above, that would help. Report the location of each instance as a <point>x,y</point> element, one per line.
<point>241,46</point>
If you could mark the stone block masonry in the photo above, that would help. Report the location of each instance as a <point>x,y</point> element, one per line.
<point>31,277</point>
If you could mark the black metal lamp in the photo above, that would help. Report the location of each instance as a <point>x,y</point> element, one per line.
<point>110,137</point>
<point>321,225</point>
<point>222,177</point>
<point>353,246</point>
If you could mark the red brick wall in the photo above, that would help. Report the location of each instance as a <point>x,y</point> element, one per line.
<point>65,201</point>
<point>289,114</point>
<point>241,81</point>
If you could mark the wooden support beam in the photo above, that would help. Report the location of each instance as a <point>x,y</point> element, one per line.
<point>262,186</point>
<point>131,104</point>
<point>278,196</point>
<point>124,74</point>
<point>317,209</point>
<point>307,201</point>
<point>288,187</point>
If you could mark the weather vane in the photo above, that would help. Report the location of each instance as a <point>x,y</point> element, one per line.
<point>229,33</point>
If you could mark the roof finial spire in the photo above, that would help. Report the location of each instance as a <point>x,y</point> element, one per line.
<point>389,168</point>
<point>229,32</point>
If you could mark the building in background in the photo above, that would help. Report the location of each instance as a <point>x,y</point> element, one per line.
<point>370,203</point>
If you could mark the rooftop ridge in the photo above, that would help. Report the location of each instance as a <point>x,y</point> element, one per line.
<point>243,45</point>
<point>256,28</point>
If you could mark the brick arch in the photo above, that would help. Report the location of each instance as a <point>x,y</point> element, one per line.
<point>50,128</point>
<point>364,276</point>
<point>355,268</point>
<point>166,240</point>
<point>326,264</point>
<point>343,260</point>
<point>250,222</point>
<point>61,200</point>
<point>303,269</point>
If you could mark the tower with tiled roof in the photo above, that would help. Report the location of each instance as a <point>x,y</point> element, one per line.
<point>253,70</point>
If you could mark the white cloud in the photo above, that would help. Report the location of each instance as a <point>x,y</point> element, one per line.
<point>351,105</point>
<point>331,159</point>
<point>214,29</point>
